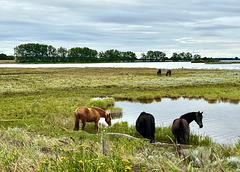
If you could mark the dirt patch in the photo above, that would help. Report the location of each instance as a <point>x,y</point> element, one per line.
<point>7,61</point>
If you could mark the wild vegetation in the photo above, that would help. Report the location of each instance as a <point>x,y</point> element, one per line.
<point>36,123</point>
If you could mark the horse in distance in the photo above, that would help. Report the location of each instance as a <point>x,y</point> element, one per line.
<point>92,114</point>
<point>169,72</point>
<point>145,125</point>
<point>181,129</point>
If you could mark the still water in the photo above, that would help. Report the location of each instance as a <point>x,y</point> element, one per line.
<point>162,65</point>
<point>221,120</point>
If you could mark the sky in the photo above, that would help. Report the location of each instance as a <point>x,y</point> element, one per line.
<point>210,28</point>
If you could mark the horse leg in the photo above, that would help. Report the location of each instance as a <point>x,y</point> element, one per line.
<point>76,122</point>
<point>96,125</point>
<point>83,124</point>
<point>187,134</point>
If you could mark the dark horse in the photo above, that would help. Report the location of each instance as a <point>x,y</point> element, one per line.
<point>145,125</point>
<point>180,127</point>
<point>159,72</point>
<point>169,72</point>
<point>92,114</point>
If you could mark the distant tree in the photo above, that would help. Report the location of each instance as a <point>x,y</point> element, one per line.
<point>62,54</point>
<point>82,55</point>
<point>144,57</point>
<point>101,56</point>
<point>11,57</point>
<point>128,56</point>
<point>33,52</point>
<point>187,57</point>
<point>89,55</point>
<point>75,54</point>
<point>3,57</point>
<point>175,57</point>
<point>196,57</point>
<point>154,56</point>
<point>110,56</point>
<point>51,54</point>
<point>181,56</point>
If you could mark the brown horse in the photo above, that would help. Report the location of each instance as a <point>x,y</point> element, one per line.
<point>169,72</point>
<point>92,114</point>
<point>181,129</point>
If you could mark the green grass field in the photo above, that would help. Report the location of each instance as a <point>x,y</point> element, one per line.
<point>37,120</point>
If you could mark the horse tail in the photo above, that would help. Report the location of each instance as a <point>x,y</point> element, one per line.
<point>181,132</point>
<point>76,120</point>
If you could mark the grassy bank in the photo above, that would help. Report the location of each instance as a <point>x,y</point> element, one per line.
<point>36,120</point>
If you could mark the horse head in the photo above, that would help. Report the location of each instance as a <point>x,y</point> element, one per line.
<point>199,118</point>
<point>108,118</point>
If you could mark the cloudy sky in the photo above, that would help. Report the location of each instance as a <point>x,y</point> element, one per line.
<point>207,27</point>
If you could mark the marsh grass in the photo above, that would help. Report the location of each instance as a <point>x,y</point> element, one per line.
<point>163,134</point>
<point>104,103</point>
<point>37,116</point>
<point>27,151</point>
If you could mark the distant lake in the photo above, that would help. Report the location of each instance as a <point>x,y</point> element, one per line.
<point>158,65</point>
<point>220,119</point>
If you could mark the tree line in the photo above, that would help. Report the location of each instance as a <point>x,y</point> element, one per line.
<point>34,52</point>
<point>6,57</point>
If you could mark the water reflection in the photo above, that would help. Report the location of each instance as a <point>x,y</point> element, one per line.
<point>158,65</point>
<point>220,118</point>
<point>158,99</point>
<point>116,115</point>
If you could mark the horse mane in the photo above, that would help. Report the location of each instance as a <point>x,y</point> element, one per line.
<point>189,117</point>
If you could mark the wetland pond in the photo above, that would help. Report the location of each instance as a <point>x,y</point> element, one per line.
<point>158,65</point>
<point>221,120</point>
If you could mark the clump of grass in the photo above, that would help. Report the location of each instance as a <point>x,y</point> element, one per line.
<point>123,127</point>
<point>24,151</point>
<point>162,134</point>
<point>27,151</point>
<point>102,103</point>
<point>84,158</point>
<point>115,112</point>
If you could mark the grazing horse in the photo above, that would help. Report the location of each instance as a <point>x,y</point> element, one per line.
<point>159,72</point>
<point>180,127</point>
<point>145,125</point>
<point>92,114</point>
<point>169,72</point>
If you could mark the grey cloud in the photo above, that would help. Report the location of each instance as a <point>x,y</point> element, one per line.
<point>134,25</point>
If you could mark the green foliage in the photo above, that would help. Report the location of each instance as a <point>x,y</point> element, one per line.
<point>183,56</point>
<point>162,134</point>
<point>123,127</point>
<point>33,52</point>
<point>84,158</point>
<point>115,55</point>
<point>82,55</point>
<point>154,56</point>
<point>6,57</point>
<point>102,103</point>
